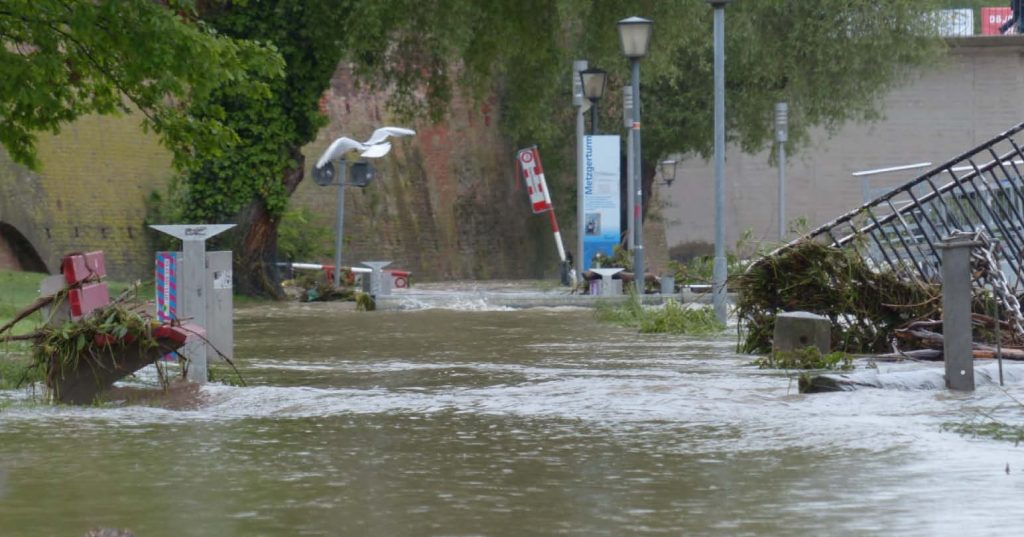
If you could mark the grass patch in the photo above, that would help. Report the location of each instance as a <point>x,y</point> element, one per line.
<point>671,318</point>
<point>806,358</point>
<point>990,429</point>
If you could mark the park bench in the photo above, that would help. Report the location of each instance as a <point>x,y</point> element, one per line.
<point>110,356</point>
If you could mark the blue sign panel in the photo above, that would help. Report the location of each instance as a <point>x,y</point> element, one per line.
<point>601,199</point>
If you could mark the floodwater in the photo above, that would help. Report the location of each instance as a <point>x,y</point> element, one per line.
<point>493,422</point>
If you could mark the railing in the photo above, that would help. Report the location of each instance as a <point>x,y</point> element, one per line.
<point>982,189</point>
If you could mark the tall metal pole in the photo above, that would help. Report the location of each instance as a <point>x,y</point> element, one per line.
<point>782,192</point>
<point>638,213</point>
<point>339,222</point>
<point>627,106</point>
<point>781,135</point>
<point>720,271</point>
<point>577,100</point>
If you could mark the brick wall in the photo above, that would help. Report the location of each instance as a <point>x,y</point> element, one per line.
<point>89,193</point>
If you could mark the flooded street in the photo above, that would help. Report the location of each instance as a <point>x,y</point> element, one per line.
<point>506,423</point>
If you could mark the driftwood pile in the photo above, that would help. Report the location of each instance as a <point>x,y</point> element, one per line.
<point>872,312</point>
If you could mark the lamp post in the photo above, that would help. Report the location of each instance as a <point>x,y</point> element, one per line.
<point>362,173</point>
<point>594,81</point>
<point>720,271</point>
<point>635,36</point>
<point>578,101</point>
<point>781,135</point>
<point>667,170</point>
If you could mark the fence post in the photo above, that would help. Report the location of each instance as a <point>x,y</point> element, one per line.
<point>956,311</point>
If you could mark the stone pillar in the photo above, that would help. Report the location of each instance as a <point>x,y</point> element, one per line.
<point>797,330</point>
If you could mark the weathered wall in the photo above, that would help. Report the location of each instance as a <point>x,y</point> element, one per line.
<point>445,202</point>
<point>975,94</point>
<point>89,193</point>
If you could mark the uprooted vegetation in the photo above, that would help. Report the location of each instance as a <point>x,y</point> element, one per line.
<point>865,306</point>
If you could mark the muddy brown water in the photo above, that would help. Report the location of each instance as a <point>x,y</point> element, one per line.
<point>505,423</point>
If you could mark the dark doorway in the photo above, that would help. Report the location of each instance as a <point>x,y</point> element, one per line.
<point>17,253</point>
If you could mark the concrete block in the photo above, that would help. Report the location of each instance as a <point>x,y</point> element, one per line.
<point>796,330</point>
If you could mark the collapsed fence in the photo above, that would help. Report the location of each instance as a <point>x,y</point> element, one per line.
<point>896,237</point>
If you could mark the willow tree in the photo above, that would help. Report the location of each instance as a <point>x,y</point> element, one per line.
<point>62,59</point>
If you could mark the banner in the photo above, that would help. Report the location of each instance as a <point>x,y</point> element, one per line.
<point>601,198</point>
<point>994,17</point>
<point>533,175</point>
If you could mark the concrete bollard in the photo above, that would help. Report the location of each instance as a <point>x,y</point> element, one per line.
<point>668,285</point>
<point>378,284</point>
<point>608,285</point>
<point>797,330</point>
<point>957,339</point>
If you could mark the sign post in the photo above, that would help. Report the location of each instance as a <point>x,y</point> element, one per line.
<point>528,162</point>
<point>601,204</point>
<point>194,290</point>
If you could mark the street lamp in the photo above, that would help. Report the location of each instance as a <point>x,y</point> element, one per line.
<point>667,170</point>
<point>720,270</point>
<point>362,173</point>
<point>635,36</point>
<point>594,81</point>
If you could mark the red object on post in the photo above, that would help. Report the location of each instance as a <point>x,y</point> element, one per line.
<point>87,298</point>
<point>399,278</point>
<point>78,268</point>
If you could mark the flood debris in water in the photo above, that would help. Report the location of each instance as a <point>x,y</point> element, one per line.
<point>872,311</point>
<point>79,359</point>
<point>865,306</point>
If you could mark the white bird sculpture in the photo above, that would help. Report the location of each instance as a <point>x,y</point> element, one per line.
<point>377,146</point>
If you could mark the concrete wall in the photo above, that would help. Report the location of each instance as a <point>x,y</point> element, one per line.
<point>975,94</point>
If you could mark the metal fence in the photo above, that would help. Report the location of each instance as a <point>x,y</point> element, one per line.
<point>982,189</point>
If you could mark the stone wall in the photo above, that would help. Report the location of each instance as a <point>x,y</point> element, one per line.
<point>445,204</point>
<point>89,194</point>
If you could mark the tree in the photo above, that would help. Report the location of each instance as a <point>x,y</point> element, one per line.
<point>831,60</point>
<point>415,50</point>
<point>238,143</point>
<point>62,59</point>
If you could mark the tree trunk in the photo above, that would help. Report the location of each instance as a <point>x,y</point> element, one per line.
<point>256,272</point>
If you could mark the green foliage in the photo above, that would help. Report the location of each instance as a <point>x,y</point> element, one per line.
<point>806,358</point>
<point>302,237</point>
<point>864,305</point>
<point>993,429</point>
<point>16,371</point>
<point>64,59</point>
<point>671,318</point>
<point>18,290</point>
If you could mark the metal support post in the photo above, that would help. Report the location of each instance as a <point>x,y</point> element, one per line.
<point>627,107</point>
<point>638,213</point>
<point>720,270</point>
<point>339,222</point>
<point>578,100</point>
<point>956,311</point>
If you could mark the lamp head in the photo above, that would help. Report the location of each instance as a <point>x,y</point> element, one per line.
<point>635,36</point>
<point>594,81</point>
<point>667,168</point>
